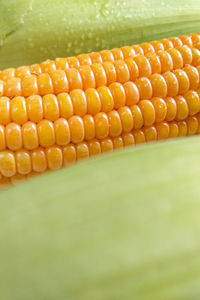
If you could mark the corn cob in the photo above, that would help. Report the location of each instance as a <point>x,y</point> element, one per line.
<point>63,113</point>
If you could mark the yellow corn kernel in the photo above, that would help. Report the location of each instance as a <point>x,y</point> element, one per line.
<point>39,161</point>
<point>45,85</point>
<point>148,112</point>
<point>18,110</point>
<point>118,94</point>
<point>150,134</point>
<point>139,136</point>
<point>7,164</point>
<point>89,126</point>
<point>76,127</point>
<point>171,109</point>
<point>99,74</point>
<point>172,84</point>
<point>54,158</point>
<point>87,76</point>
<point>94,147</point>
<point>4,110</point>
<point>137,116</point>
<point>126,117</point>
<point>128,140</point>
<point>117,54</point>
<point>107,102</point>
<point>176,58</point>
<point>131,93</point>
<point>173,130</point>
<point>162,130</point>
<point>115,124</point>
<point>65,105</point>
<point>60,82</point>
<point>69,154</point>
<point>61,64</point>
<point>79,102</point>
<point>159,85</point>
<point>96,57</point>
<point>122,71</point>
<point>93,101</point>
<point>193,102</point>
<point>48,66</point>
<point>118,143</point>
<point>74,79</point>
<point>82,151</point>
<point>106,145</point>
<point>29,86</point>
<point>144,66</point>
<point>13,87</point>
<point>183,81</point>
<point>13,136</point>
<point>192,125</point>
<point>34,108</point>
<point>101,125</point>
<point>182,108</point>
<point>193,76</point>
<point>46,133</point>
<point>62,132</point>
<point>2,138</point>
<point>154,62</point>
<point>182,126</point>
<point>144,87</point>
<point>160,109</point>
<point>186,54</point>
<point>110,72</point>
<point>133,69</point>
<point>23,162</point>
<point>84,59</point>
<point>30,136</point>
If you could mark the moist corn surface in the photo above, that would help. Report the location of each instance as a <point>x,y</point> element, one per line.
<point>58,112</point>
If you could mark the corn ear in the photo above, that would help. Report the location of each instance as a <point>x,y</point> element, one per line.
<point>34,30</point>
<point>121,228</point>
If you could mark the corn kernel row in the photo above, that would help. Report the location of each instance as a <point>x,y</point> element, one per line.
<point>92,101</point>
<point>113,123</point>
<point>102,56</point>
<point>25,162</point>
<point>98,75</point>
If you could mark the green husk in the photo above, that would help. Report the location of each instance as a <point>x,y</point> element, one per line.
<point>123,226</point>
<point>34,30</point>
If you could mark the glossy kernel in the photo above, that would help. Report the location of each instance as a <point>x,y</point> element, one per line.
<point>7,164</point>
<point>166,61</point>
<point>13,136</point>
<point>160,109</point>
<point>176,58</point>
<point>107,55</point>
<point>69,154</point>
<point>172,84</point>
<point>193,102</point>
<point>126,117</point>
<point>51,107</point>
<point>94,147</point>
<point>79,102</point>
<point>137,116</point>
<point>154,62</point>
<point>139,137</point>
<point>144,87</point>
<point>4,110</point>
<point>87,76</point>
<point>93,101</point>
<point>29,86</point>
<point>96,57</point>
<point>82,151</point>
<point>115,125</point>
<point>60,82</point>
<point>13,87</point>
<point>195,57</point>
<point>143,66</point>
<point>39,161</point>
<point>99,74</point>
<point>128,139</point>
<point>106,98</point>
<point>193,76</point>
<point>34,108</point>
<point>110,71</point>
<point>62,132</point>
<point>74,79</point>
<point>182,126</point>
<point>89,126</point>
<point>159,85</point>
<point>23,162</point>
<point>171,109</point>
<point>131,93</point>
<point>162,130</point>
<point>30,136</point>
<point>118,94</point>
<point>54,158</point>
<point>186,54</point>
<point>65,105</point>
<point>101,125</point>
<point>45,85</point>
<point>122,71</point>
<point>106,145</point>
<point>173,130</point>
<point>183,81</point>
<point>118,143</point>
<point>46,133</point>
<point>18,110</point>
<point>182,108</point>
<point>148,112</point>
<point>2,138</point>
<point>77,131</point>
<point>192,125</point>
<point>150,133</point>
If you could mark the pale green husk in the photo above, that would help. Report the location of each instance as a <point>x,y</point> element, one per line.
<point>34,30</point>
<point>120,227</point>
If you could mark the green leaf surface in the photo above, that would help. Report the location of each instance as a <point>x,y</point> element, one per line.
<point>35,30</point>
<point>122,226</point>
